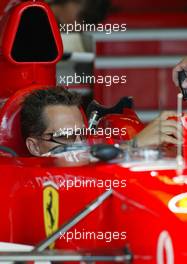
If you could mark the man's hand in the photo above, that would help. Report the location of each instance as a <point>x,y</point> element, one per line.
<point>180,67</point>
<point>160,130</point>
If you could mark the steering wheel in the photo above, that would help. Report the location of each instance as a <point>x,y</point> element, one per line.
<point>7,152</point>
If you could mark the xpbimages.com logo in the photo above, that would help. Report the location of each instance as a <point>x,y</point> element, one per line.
<point>107,132</point>
<point>107,236</point>
<point>84,27</point>
<point>68,182</point>
<point>107,80</point>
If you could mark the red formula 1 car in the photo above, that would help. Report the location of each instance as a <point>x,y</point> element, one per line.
<point>102,204</point>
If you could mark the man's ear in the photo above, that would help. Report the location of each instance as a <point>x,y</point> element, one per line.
<point>33,147</point>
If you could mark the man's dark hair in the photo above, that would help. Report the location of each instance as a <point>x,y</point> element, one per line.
<point>32,120</point>
<point>92,11</point>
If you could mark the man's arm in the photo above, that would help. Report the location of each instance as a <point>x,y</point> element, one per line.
<point>161,130</point>
<point>180,67</point>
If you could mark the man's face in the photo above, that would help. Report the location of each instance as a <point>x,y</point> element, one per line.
<point>56,117</point>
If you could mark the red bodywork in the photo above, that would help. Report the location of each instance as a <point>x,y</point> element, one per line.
<point>22,71</point>
<point>154,233</point>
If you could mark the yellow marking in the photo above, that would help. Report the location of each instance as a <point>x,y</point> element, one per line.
<point>51,211</point>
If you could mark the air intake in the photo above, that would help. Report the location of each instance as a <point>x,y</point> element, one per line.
<point>34,40</point>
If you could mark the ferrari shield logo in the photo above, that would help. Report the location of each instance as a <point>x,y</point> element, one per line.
<point>51,209</point>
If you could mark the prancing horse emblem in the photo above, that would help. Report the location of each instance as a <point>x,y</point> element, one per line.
<point>51,209</point>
